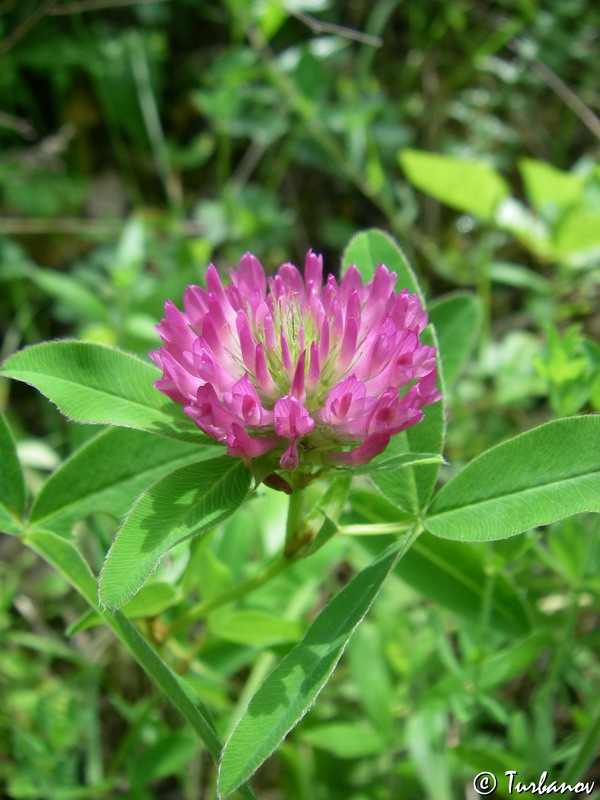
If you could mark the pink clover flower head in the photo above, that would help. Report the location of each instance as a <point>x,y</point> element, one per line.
<point>310,373</point>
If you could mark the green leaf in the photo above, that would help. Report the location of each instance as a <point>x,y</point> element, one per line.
<point>72,292</point>
<point>101,385</point>
<point>503,665</point>
<point>107,473</point>
<point>520,277</point>
<point>290,690</point>
<point>398,486</point>
<point>66,558</point>
<point>165,757</point>
<point>456,319</point>
<point>429,435</point>
<point>426,740</point>
<point>577,239</point>
<point>371,507</point>
<point>546,474</point>
<point>514,217</point>
<point>257,628</point>
<point>471,186</point>
<point>185,503</point>
<point>454,575</point>
<point>547,186</point>
<point>386,462</point>
<point>12,485</point>
<point>9,524</point>
<point>345,739</point>
<point>410,488</point>
<point>370,673</point>
<point>367,250</point>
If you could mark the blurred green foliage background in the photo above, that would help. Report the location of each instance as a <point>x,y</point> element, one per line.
<point>141,139</point>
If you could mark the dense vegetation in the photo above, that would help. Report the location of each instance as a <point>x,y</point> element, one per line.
<point>141,140</point>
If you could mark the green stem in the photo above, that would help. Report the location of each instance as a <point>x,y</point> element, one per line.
<point>380,529</point>
<point>200,610</point>
<point>294,516</point>
<point>66,559</point>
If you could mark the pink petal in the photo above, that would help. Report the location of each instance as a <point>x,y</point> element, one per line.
<point>263,320</point>
<point>348,348</point>
<point>381,352</point>
<point>175,331</point>
<point>261,370</point>
<point>372,446</point>
<point>297,388</point>
<point>286,358</point>
<point>347,408</point>
<point>234,298</point>
<point>353,306</point>
<point>247,342</point>
<point>316,311</point>
<point>243,401</point>
<point>399,370</point>
<point>329,295</point>
<point>424,392</point>
<point>342,396</point>
<point>313,272</point>
<point>208,413</point>
<point>195,305</point>
<point>277,287</point>
<point>337,324</point>
<point>250,276</point>
<point>382,284</point>
<point>176,381</point>
<point>214,285</point>
<point>351,282</point>
<point>314,367</point>
<point>392,415</point>
<point>292,280</point>
<point>291,418</point>
<point>217,310</point>
<point>240,444</point>
<point>210,368</point>
<point>289,460</point>
<point>324,342</point>
<point>212,336</point>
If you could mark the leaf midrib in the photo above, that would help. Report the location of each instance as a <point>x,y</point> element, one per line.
<point>177,426</point>
<point>87,387</point>
<point>528,489</point>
